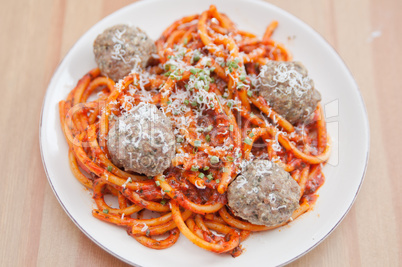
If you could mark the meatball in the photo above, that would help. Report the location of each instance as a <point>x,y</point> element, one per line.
<point>264,194</point>
<point>142,141</point>
<point>118,49</point>
<point>289,90</point>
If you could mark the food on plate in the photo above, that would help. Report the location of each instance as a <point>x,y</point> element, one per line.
<point>289,90</point>
<point>200,135</point>
<point>119,48</point>
<point>142,141</point>
<point>264,194</point>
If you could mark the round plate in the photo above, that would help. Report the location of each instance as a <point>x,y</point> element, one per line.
<point>345,114</point>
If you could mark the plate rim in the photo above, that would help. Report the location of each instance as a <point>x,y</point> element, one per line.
<point>300,21</point>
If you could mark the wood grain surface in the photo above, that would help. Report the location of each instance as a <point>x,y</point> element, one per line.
<point>35,36</point>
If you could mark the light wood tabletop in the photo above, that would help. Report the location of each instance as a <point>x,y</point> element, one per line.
<point>36,35</point>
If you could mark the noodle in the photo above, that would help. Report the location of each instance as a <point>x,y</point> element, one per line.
<point>199,76</point>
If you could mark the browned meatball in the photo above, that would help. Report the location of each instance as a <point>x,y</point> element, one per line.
<point>289,90</point>
<point>142,141</point>
<point>264,194</point>
<point>118,49</point>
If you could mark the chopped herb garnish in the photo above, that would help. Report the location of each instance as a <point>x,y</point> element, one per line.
<point>210,177</point>
<point>210,127</point>
<point>197,143</point>
<point>208,138</point>
<point>248,141</point>
<point>196,56</point>
<point>229,158</point>
<point>240,85</point>
<point>158,183</point>
<point>249,93</point>
<point>252,134</point>
<point>206,168</point>
<point>163,201</point>
<point>169,102</point>
<point>201,175</point>
<point>109,168</point>
<point>231,128</point>
<point>194,103</point>
<point>179,139</point>
<point>242,76</point>
<point>186,102</point>
<point>106,211</point>
<point>194,168</point>
<point>185,41</point>
<point>218,181</point>
<point>214,159</point>
<point>166,191</point>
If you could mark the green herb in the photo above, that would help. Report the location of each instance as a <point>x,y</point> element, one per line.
<point>158,183</point>
<point>218,181</point>
<point>179,139</point>
<point>208,138</point>
<point>201,175</point>
<point>225,169</point>
<point>196,56</point>
<point>194,103</point>
<point>197,143</point>
<point>169,102</point>
<point>206,168</point>
<point>214,159</point>
<point>240,85</point>
<point>106,211</point>
<point>163,201</point>
<point>249,93</point>
<point>210,127</point>
<point>109,168</point>
<point>185,41</point>
<point>210,177</point>
<point>231,128</point>
<point>166,191</point>
<point>229,158</point>
<point>242,76</point>
<point>248,141</point>
<point>194,168</point>
<point>252,134</point>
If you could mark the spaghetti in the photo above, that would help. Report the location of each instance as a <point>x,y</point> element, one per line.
<point>202,79</point>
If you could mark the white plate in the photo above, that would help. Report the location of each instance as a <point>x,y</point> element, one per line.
<point>347,124</point>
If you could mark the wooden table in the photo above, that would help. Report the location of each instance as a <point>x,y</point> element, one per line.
<point>35,36</point>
